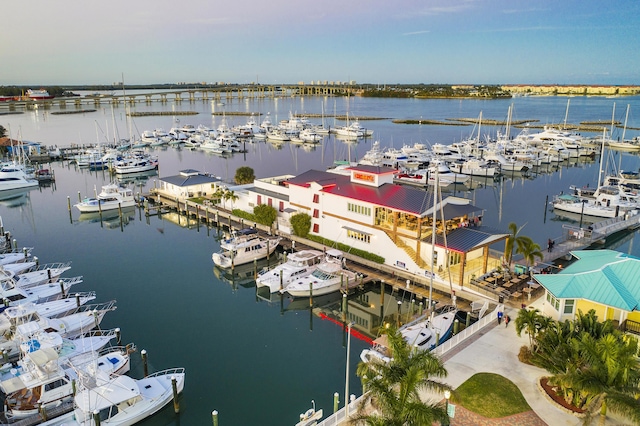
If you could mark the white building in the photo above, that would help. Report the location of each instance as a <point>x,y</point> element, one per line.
<point>189,183</point>
<point>367,211</point>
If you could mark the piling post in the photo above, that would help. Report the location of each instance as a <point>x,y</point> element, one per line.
<point>437,339</point>
<point>62,289</point>
<point>310,294</point>
<point>399,310</point>
<point>79,197</point>
<point>42,410</point>
<point>73,387</point>
<point>96,417</point>
<point>468,320</point>
<point>336,402</point>
<point>68,203</point>
<point>26,252</point>
<point>255,268</point>
<point>420,308</point>
<point>456,326</point>
<point>15,244</point>
<point>35,259</point>
<point>344,307</point>
<point>281,280</point>
<point>5,355</point>
<point>176,403</point>
<point>145,363</point>
<point>78,300</point>
<point>118,336</point>
<point>214,416</point>
<point>413,306</point>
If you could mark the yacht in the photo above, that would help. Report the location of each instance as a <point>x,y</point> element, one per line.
<point>13,176</point>
<point>135,163</point>
<point>244,246</point>
<point>424,333</point>
<point>607,201</point>
<point>112,197</point>
<point>298,264</point>
<point>330,275</point>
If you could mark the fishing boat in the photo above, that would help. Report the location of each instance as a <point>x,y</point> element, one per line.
<point>330,275</point>
<point>43,380</point>
<point>122,400</point>
<point>42,274</point>
<point>244,246</point>
<point>607,201</point>
<point>424,333</point>
<point>135,163</point>
<point>13,176</point>
<point>298,264</point>
<point>112,197</point>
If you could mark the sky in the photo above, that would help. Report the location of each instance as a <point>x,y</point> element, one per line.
<point>78,42</point>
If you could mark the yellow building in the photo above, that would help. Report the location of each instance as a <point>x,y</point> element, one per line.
<point>603,280</point>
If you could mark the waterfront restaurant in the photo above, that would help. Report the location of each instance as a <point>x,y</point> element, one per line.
<point>367,211</point>
<point>603,280</point>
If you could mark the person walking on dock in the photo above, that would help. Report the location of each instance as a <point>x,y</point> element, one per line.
<point>499,317</point>
<point>507,318</point>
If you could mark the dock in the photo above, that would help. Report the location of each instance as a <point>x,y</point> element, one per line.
<point>516,290</point>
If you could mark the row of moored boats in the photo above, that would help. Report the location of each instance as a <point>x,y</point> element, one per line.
<point>59,367</point>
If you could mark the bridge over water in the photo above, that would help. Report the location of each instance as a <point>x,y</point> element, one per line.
<point>203,94</point>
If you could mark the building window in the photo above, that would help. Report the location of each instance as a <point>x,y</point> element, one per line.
<point>259,199</point>
<point>270,202</point>
<point>316,213</point>
<point>316,228</point>
<point>553,301</point>
<point>568,306</point>
<point>359,236</point>
<point>357,208</point>
<point>316,198</point>
<point>281,206</point>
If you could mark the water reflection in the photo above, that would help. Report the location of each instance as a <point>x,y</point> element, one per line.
<point>15,197</point>
<point>110,219</point>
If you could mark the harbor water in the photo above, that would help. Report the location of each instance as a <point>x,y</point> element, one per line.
<point>257,361</point>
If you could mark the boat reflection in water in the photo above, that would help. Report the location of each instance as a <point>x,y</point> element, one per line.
<point>110,219</point>
<point>138,178</point>
<point>15,197</point>
<point>244,275</point>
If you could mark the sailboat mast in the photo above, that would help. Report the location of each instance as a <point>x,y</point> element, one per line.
<point>566,114</point>
<point>626,117</point>
<point>604,131</point>
<point>613,119</point>
<point>433,236</point>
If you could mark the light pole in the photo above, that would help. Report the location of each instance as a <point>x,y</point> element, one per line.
<point>447,395</point>
<point>346,381</point>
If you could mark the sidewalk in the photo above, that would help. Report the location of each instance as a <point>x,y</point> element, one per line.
<point>495,350</point>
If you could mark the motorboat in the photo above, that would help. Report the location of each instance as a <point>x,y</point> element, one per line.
<point>244,246</point>
<point>330,275</point>
<point>42,380</point>
<point>13,176</point>
<point>135,163</point>
<point>15,256</point>
<point>123,401</point>
<point>42,274</point>
<point>112,197</point>
<point>424,333</point>
<point>607,201</point>
<point>445,175</point>
<point>13,295</point>
<point>298,264</point>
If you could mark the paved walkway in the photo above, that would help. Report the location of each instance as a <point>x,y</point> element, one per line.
<point>495,350</point>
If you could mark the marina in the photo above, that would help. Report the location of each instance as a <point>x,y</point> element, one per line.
<point>158,254</point>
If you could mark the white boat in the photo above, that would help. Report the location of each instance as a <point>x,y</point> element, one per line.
<point>607,202</point>
<point>16,256</point>
<point>308,135</point>
<point>43,380</point>
<point>124,401</point>
<point>445,175</point>
<point>112,197</point>
<point>135,164</point>
<point>15,295</point>
<point>13,176</point>
<point>424,333</point>
<point>330,275</point>
<point>475,167</point>
<point>42,274</point>
<point>244,246</point>
<point>298,264</point>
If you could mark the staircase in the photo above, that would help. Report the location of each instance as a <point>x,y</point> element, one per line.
<point>409,250</point>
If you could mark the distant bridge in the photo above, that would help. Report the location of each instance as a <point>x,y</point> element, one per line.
<point>204,94</point>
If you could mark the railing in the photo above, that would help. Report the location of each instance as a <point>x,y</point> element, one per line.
<point>630,327</point>
<point>339,416</point>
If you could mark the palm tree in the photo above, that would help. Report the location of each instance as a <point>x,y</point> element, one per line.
<point>393,388</point>
<point>511,242</point>
<point>529,321</point>
<point>528,249</point>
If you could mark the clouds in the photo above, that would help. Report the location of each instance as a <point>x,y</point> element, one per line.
<point>78,41</point>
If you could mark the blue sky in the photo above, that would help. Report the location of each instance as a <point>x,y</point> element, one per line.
<point>285,41</point>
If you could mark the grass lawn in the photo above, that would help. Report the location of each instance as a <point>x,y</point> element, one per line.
<point>490,395</point>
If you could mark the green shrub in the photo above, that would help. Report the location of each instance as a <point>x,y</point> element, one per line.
<point>301,224</point>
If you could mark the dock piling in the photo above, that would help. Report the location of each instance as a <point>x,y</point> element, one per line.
<point>214,416</point>
<point>176,403</point>
<point>145,363</point>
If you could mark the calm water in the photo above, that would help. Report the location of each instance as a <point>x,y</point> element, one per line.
<point>257,363</point>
